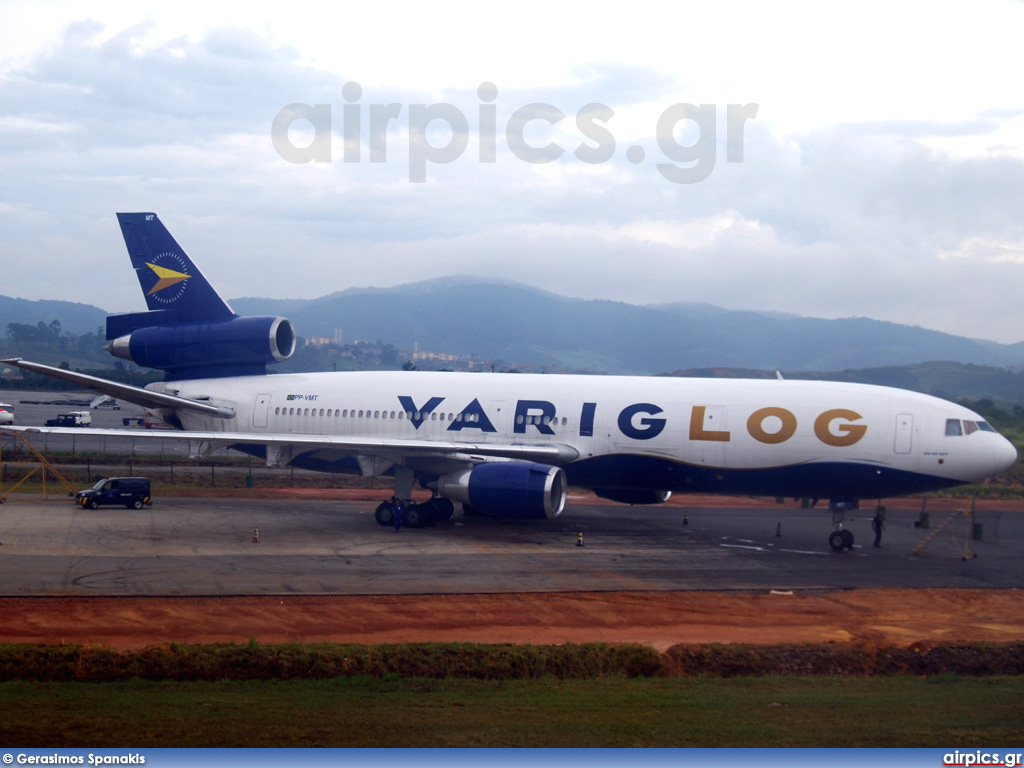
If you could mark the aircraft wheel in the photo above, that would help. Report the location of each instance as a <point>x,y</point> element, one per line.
<point>837,540</point>
<point>431,512</point>
<point>414,516</point>
<point>445,508</point>
<point>385,514</point>
<point>847,538</point>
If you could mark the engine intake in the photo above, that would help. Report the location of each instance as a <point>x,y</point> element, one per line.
<point>241,345</point>
<point>515,489</point>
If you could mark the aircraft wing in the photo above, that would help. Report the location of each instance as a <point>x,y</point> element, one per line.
<point>281,448</point>
<point>396,450</point>
<point>126,392</point>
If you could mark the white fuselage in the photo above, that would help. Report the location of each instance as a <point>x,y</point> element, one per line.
<point>712,435</point>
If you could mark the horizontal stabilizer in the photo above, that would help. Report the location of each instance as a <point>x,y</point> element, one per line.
<point>123,325</point>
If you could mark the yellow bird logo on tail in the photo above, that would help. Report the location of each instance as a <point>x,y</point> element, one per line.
<point>166,278</point>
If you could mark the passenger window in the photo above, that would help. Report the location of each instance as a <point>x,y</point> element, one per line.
<point>953,428</point>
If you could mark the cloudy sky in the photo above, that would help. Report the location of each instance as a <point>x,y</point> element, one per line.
<point>880,174</point>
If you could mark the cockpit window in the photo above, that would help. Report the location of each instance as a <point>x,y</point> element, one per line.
<point>955,428</point>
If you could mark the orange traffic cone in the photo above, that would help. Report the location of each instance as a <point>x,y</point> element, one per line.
<point>255,535</point>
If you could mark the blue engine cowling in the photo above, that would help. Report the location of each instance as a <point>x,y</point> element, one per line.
<point>633,495</point>
<point>514,489</point>
<point>234,347</point>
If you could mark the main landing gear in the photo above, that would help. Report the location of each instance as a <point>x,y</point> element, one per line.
<point>412,514</point>
<point>415,515</point>
<point>840,538</point>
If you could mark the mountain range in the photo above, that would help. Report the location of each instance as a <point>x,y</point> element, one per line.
<point>520,324</point>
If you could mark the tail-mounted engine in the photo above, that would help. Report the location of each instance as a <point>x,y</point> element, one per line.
<point>513,489</point>
<point>234,347</point>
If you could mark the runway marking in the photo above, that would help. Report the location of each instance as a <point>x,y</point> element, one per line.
<point>744,546</point>
<point>803,552</point>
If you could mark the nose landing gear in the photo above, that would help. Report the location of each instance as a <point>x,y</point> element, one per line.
<point>840,538</point>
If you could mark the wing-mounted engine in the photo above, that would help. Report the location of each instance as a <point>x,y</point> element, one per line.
<point>234,347</point>
<point>512,489</point>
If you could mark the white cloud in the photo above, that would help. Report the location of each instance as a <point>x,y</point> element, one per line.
<point>727,229</point>
<point>881,175</point>
<point>986,249</point>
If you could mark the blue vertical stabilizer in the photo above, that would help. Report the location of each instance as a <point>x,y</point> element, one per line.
<point>169,279</point>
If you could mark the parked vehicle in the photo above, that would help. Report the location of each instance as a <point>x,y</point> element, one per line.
<point>147,421</point>
<point>6,414</point>
<point>72,419</point>
<point>133,492</point>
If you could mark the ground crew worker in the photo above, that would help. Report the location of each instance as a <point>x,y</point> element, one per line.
<point>877,526</point>
<point>398,515</point>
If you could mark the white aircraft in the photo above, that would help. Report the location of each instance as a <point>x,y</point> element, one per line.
<point>508,445</point>
<point>6,414</point>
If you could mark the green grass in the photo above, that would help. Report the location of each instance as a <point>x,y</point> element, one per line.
<point>461,694</point>
<point>615,712</point>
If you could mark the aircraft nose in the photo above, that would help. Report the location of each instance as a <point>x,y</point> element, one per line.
<point>1006,456</point>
